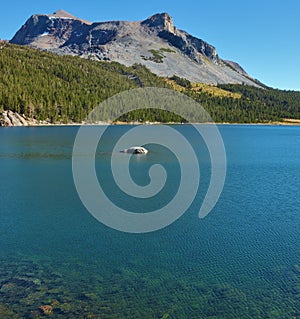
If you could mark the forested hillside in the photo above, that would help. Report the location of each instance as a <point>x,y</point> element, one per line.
<point>65,88</point>
<point>43,85</point>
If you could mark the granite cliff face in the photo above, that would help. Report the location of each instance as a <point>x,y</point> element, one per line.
<point>154,42</point>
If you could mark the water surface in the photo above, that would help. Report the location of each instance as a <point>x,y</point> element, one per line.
<point>241,261</point>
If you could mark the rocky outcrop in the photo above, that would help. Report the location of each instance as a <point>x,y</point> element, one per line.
<point>236,67</point>
<point>48,31</point>
<point>135,150</point>
<point>9,118</point>
<point>160,21</point>
<point>128,43</point>
<point>193,47</point>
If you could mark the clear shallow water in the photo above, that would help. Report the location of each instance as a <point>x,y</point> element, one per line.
<point>241,261</point>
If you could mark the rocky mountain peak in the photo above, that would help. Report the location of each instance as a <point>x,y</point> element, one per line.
<point>162,21</point>
<point>154,42</point>
<point>63,14</point>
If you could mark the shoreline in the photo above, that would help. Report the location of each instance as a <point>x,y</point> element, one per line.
<point>154,123</point>
<point>13,119</point>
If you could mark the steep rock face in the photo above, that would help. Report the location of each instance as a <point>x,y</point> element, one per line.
<point>154,42</point>
<point>48,31</point>
<point>160,21</point>
<point>193,47</point>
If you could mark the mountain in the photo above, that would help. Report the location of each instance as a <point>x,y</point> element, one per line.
<point>154,42</point>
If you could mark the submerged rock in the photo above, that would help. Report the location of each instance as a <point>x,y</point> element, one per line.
<point>46,309</point>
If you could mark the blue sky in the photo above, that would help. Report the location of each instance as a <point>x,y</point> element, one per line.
<point>261,35</point>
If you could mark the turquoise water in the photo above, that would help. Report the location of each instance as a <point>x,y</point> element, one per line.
<point>241,261</point>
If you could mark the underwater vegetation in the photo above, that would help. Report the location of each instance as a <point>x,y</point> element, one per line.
<point>31,289</point>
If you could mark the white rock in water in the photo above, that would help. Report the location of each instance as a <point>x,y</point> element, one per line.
<point>135,150</point>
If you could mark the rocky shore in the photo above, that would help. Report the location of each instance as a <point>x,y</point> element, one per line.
<point>9,118</point>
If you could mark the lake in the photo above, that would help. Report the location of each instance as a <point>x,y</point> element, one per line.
<point>241,261</point>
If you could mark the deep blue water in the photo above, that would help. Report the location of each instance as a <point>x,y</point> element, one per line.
<point>241,261</point>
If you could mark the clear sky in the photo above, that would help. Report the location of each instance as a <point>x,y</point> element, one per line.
<point>262,35</point>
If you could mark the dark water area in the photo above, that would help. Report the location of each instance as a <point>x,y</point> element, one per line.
<point>241,261</point>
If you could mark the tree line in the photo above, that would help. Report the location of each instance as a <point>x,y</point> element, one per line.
<point>46,86</point>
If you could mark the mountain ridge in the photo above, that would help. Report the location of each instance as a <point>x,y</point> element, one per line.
<point>154,42</point>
